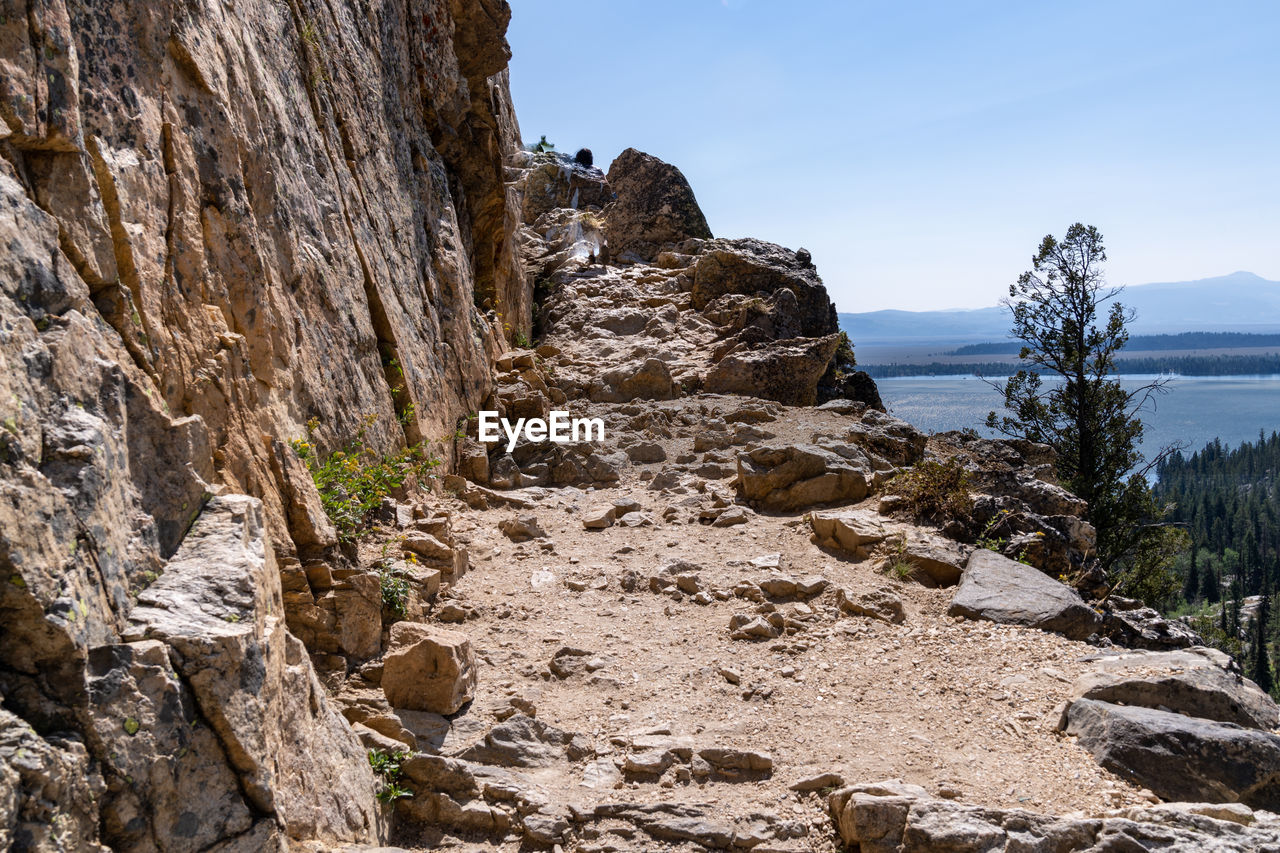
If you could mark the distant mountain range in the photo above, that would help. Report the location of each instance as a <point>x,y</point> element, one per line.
<point>1240,302</point>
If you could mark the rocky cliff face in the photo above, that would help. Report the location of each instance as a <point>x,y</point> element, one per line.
<point>220,222</point>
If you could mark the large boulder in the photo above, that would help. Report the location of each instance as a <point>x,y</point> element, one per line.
<point>998,589</point>
<point>654,207</point>
<point>787,371</point>
<point>1180,757</point>
<point>428,669</point>
<point>793,476</point>
<point>1192,682</point>
<point>755,268</point>
<point>854,531</point>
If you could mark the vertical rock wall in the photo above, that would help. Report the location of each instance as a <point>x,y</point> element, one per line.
<point>219,221</point>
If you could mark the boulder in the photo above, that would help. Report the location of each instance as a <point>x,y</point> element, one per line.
<point>938,560</point>
<point>1145,628</point>
<point>522,528</point>
<point>428,669</point>
<point>787,371</point>
<point>890,438</point>
<point>1185,682</point>
<point>853,531</point>
<point>1180,757</point>
<point>794,476</point>
<point>599,517</point>
<point>998,589</point>
<point>654,206</point>
<point>755,268</point>
<point>877,603</point>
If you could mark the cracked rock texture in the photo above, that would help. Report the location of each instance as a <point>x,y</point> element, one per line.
<point>221,221</point>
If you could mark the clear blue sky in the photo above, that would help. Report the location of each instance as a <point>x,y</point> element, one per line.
<point>920,150</point>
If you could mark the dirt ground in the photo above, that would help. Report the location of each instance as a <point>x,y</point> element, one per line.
<point>965,709</point>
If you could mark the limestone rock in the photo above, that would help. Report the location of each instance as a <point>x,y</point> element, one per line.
<point>47,791</point>
<point>877,603</point>
<point>998,589</point>
<point>754,267</point>
<point>654,207</point>
<point>1180,757</point>
<point>891,817</point>
<point>853,531</point>
<point>599,517</point>
<point>1185,682</point>
<point>522,528</point>
<point>786,370</point>
<point>428,669</point>
<point>787,477</point>
<point>218,606</point>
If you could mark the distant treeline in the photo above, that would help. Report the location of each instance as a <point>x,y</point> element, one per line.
<point>1186,365</point>
<point>1143,343</point>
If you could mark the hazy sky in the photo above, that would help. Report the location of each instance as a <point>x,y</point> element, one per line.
<point>920,150</point>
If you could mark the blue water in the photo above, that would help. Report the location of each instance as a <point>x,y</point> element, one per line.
<point>1195,409</point>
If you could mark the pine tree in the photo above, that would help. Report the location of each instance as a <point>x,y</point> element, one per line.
<point>1191,587</point>
<point>1211,588</point>
<point>1067,329</point>
<point>1261,669</point>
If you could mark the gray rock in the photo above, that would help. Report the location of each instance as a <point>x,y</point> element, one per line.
<point>1179,757</point>
<point>890,817</point>
<point>218,606</point>
<point>654,207</point>
<point>854,531</point>
<point>878,604</point>
<point>523,741</point>
<point>522,528</point>
<point>998,589</point>
<point>1184,682</point>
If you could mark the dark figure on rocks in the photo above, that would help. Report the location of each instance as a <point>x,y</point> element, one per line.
<point>583,157</point>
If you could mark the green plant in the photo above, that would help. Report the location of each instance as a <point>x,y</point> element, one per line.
<point>395,592</point>
<point>542,145</point>
<point>386,766</point>
<point>521,340</point>
<point>353,481</point>
<point>935,491</point>
<point>899,564</point>
<point>988,539</point>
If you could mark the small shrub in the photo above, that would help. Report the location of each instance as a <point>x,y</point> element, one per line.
<point>395,593</point>
<point>353,481</point>
<point>900,564</point>
<point>386,766</point>
<point>935,491</point>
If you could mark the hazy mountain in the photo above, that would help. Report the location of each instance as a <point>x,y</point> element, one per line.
<point>1239,302</point>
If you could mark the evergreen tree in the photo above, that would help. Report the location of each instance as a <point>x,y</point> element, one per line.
<point>1191,587</point>
<point>1211,588</point>
<point>1088,418</point>
<point>1260,672</point>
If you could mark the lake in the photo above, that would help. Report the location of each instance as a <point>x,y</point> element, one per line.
<point>1195,410</point>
